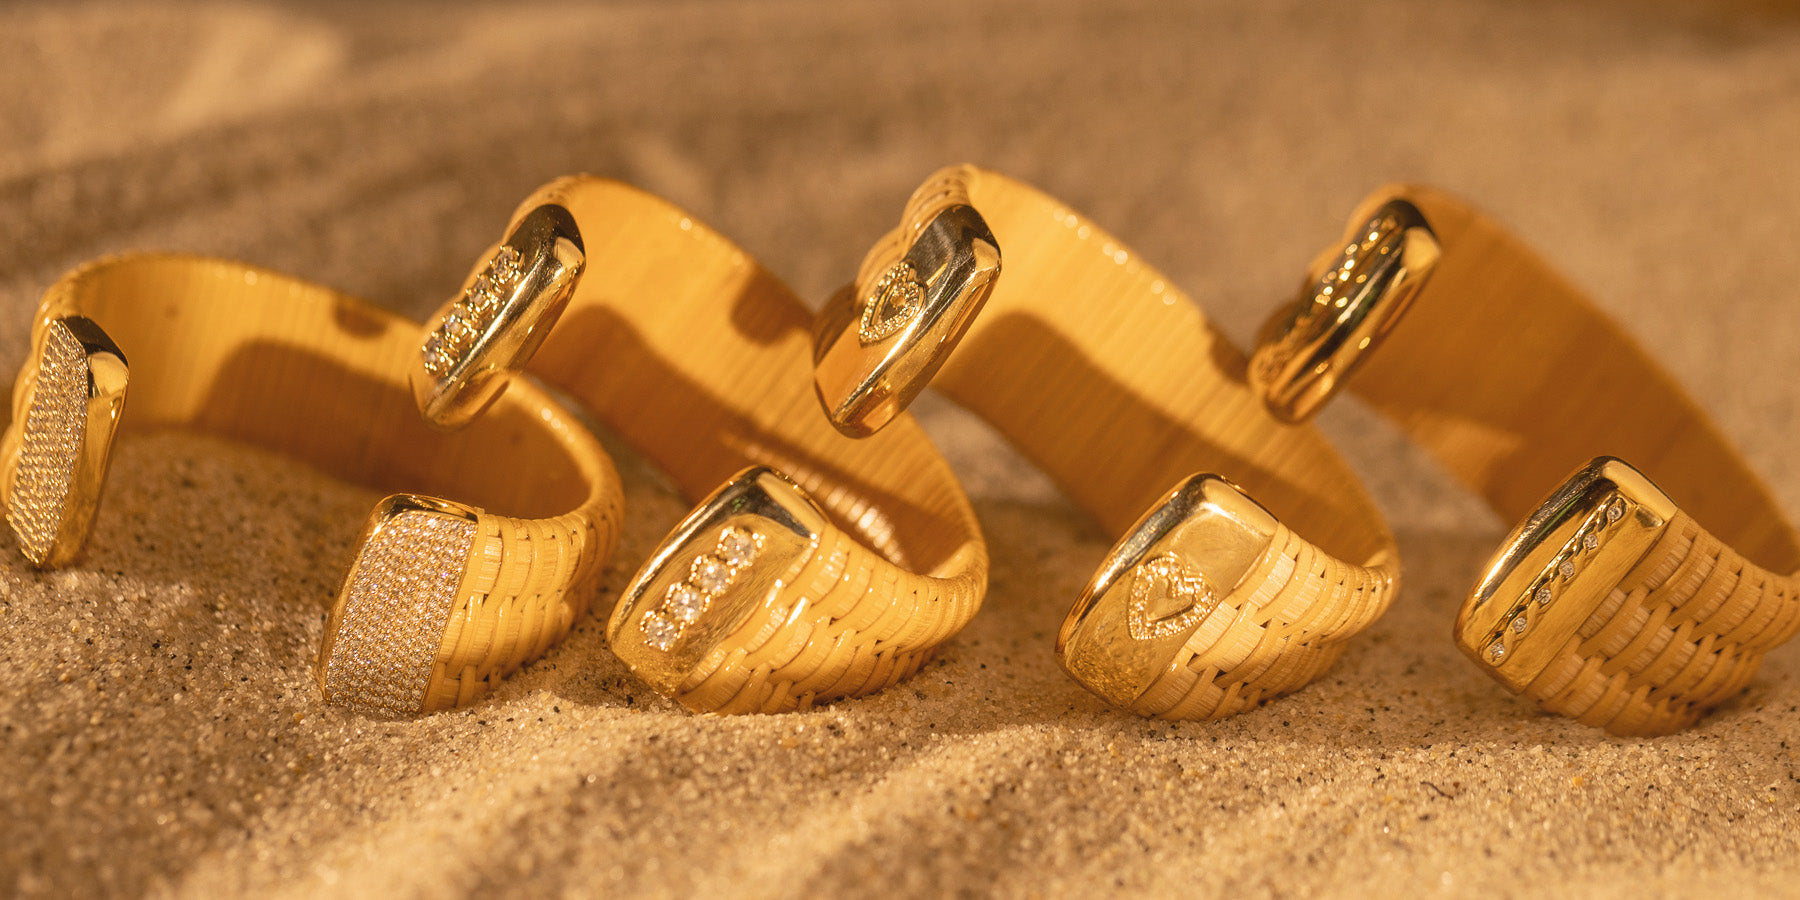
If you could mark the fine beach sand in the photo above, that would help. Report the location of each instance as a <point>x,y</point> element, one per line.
<point>160,730</point>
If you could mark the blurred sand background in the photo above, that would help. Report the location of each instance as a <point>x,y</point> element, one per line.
<point>160,732</point>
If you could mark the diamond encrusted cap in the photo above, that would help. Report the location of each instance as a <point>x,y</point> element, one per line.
<point>385,633</point>
<point>55,425</point>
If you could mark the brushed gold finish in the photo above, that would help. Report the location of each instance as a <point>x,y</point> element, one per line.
<point>1097,367</point>
<point>252,355</point>
<point>1513,378</point>
<point>869,555</point>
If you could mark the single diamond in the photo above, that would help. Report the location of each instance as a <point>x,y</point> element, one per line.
<point>710,574</point>
<point>737,546</point>
<point>1590,540</point>
<point>438,359</point>
<point>684,602</point>
<point>1496,651</point>
<point>482,308</point>
<point>660,631</point>
<point>459,330</point>
<point>505,266</point>
<point>1519,623</point>
<point>1567,568</point>
<point>1544,596</point>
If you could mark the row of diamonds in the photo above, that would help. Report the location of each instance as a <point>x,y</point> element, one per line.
<point>55,425</point>
<point>395,610</point>
<point>1333,289</point>
<point>470,317</point>
<point>1332,292</point>
<point>709,576</point>
<point>1556,577</point>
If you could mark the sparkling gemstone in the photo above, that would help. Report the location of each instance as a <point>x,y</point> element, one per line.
<point>1615,510</point>
<point>460,331</point>
<point>684,602</point>
<point>482,302</point>
<point>1519,624</point>
<point>1544,596</point>
<point>1567,568</point>
<point>1590,540</point>
<point>710,574</point>
<point>660,631</point>
<point>1496,651</point>
<point>737,546</point>
<point>505,267</point>
<point>437,355</point>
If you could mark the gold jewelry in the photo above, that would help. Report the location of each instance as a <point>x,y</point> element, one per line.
<point>442,598</point>
<point>824,567</point>
<point>1116,384</point>
<point>1609,602</point>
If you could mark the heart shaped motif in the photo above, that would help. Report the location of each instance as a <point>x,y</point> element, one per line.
<point>1167,598</point>
<point>895,301</point>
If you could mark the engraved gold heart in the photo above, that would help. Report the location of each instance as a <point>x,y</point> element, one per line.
<point>1183,600</point>
<point>896,301</point>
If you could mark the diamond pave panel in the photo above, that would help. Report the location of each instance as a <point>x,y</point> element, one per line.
<point>55,426</point>
<point>709,576</point>
<point>1562,569</point>
<point>896,300</point>
<point>457,332</point>
<point>395,610</point>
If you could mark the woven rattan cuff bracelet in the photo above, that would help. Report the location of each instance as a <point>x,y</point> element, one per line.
<point>1609,602</point>
<point>443,596</point>
<point>1116,384</point>
<point>824,567</point>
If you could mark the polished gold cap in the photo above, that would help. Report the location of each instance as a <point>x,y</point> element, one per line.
<point>484,337</point>
<point>878,343</point>
<point>1179,564</point>
<point>732,555</point>
<point>1557,566</point>
<point>1353,296</point>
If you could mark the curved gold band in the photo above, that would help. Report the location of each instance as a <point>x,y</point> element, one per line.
<point>443,598</point>
<point>1108,377</point>
<point>1609,603</point>
<point>834,578</point>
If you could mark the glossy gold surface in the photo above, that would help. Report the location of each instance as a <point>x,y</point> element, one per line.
<point>879,341</point>
<point>1352,297</point>
<point>1160,583</point>
<point>96,420</point>
<point>500,340</point>
<point>1557,566</point>
<point>786,525</point>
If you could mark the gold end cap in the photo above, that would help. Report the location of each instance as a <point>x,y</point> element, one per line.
<point>61,443</point>
<point>387,623</point>
<point>1557,566</point>
<point>731,556</point>
<point>1160,584</point>
<point>877,343</point>
<point>478,342</point>
<point>1353,296</point>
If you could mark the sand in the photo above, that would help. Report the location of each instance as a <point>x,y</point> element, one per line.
<point>162,732</point>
